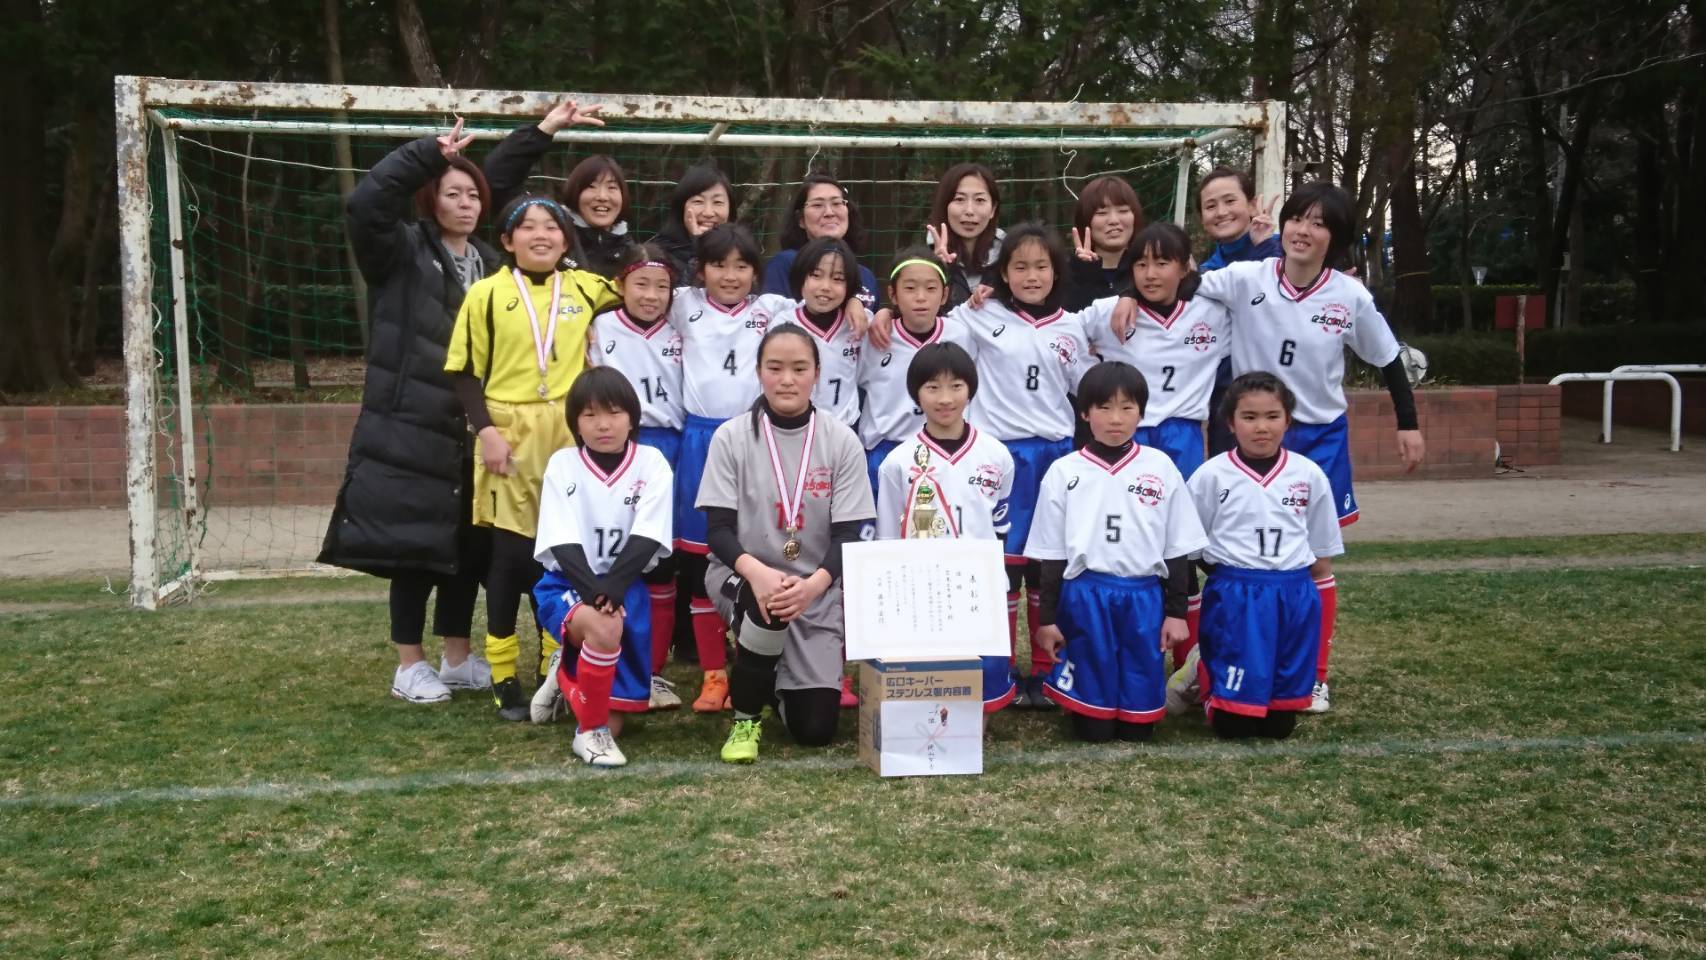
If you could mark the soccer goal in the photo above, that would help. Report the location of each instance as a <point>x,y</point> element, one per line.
<point>244,319</point>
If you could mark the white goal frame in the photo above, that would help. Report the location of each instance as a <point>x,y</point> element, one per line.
<point>139,101</point>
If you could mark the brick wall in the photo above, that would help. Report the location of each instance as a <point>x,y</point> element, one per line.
<point>295,454</point>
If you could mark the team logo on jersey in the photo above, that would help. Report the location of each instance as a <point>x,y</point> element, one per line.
<point>759,322</point>
<point>513,303</point>
<point>1224,493</point>
<point>633,498</point>
<point>672,350</point>
<point>1201,337</point>
<point>852,351</point>
<point>1334,318</point>
<point>818,482</point>
<point>1065,349</point>
<point>999,329</point>
<point>694,317</point>
<point>1296,497</point>
<point>1258,298</point>
<point>987,478</point>
<point>1148,488</point>
<point>886,358</point>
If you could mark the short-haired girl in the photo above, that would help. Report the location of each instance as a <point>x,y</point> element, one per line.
<point>519,343</point>
<point>1269,517</point>
<point>784,489</point>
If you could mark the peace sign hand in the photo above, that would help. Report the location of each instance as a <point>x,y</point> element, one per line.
<point>938,237</point>
<point>569,113</point>
<point>1081,247</point>
<point>1262,224</point>
<point>453,143</point>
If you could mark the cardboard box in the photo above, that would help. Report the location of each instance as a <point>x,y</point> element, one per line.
<point>921,717</point>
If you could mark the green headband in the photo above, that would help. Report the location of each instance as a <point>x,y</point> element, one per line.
<point>915,260</point>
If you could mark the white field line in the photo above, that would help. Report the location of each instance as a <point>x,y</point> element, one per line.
<point>572,772</point>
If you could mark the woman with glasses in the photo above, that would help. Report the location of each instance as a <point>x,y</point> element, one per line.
<point>821,208</point>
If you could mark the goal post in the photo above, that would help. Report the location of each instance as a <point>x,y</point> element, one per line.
<point>241,172</point>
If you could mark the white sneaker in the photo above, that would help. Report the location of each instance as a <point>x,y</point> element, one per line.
<point>1318,702</point>
<point>474,673</point>
<point>1184,687</point>
<point>663,695</point>
<point>548,699</point>
<point>598,748</point>
<point>419,683</point>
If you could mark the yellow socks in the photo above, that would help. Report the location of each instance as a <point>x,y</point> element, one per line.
<point>501,652</point>
<point>547,646</point>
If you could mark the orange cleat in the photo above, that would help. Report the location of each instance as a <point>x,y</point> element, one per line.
<point>714,695</point>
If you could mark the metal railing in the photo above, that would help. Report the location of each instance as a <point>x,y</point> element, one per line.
<point>1605,403</point>
<point>1617,375</point>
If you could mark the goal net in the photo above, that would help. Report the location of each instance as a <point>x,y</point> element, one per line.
<point>245,321</point>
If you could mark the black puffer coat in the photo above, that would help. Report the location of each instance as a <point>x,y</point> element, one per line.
<point>404,501</point>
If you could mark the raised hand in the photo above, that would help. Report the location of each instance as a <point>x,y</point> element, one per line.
<point>938,236</point>
<point>451,145</point>
<point>1081,247</point>
<point>569,113</point>
<point>1262,224</point>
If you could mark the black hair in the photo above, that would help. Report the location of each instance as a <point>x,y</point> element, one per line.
<point>602,388</point>
<point>1256,381</point>
<point>1165,240</point>
<point>936,359</point>
<point>1016,238</point>
<point>1109,379</point>
<point>694,181</point>
<point>512,211</point>
<point>1246,183</point>
<point>812,254</point>
<point>715,245</point>
<point>639,253</point>
<point>1336,213</point>
<point>794,234</point>
<point>780,330</point>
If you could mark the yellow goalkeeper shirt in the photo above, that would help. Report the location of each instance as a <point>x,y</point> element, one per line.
<point>494,340</point>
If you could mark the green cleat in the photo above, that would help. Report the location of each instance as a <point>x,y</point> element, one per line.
<point>742,744</point>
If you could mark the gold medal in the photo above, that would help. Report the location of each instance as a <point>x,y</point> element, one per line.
<point>544,391</point>
<point>792,508</point>
<point>791,548</point>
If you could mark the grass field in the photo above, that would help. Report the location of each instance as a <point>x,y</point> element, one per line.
<point>1515,767</point>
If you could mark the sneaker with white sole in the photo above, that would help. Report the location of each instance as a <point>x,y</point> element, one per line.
<point>1318,701</point>
<point>663,695</point>
<point>419,683</point>
<point>598,748</point>
<point>474,673</point>
<point>548,699</point>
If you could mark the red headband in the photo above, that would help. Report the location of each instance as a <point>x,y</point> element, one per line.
<point>630,268</point>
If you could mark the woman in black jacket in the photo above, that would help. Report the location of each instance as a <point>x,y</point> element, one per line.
<point>1105,220</point>
<point>404,511</point>
<point>595,194</point>
<point>703,199</point>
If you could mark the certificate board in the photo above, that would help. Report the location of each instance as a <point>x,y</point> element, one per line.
<point>925,599</point>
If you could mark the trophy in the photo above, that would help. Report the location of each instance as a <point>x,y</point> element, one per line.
<point>925,514</point>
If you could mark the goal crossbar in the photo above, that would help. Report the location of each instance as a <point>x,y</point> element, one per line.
<point>145,105</point>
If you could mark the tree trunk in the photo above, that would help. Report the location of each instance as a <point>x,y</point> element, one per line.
<point>94,258</point>
<point>32,317</point>
<point>344,160</point>
<point>417,44</point>
<point>475,58</point>
<point>1412,287</point>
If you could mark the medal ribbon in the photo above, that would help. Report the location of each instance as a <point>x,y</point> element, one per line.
<point>943,508</point>
<point>793,507</point>
<point>541,344</point>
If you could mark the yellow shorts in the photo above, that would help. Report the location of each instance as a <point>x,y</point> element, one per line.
<point>534,431</point>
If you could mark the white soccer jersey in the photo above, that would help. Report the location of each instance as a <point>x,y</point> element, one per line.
<point>972,485</point>
<point>1026,366</point>
<point>581,504</point>
<point>890,412</point>
<point>1300,335</point>
<point>1282,521</point>
<point>1176,353</point>
<point>1123,518</point>
<point>649,358</point>
<point>719,349</point>
<point>837,390</point>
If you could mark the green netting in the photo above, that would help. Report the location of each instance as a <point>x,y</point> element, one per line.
<point>272,302</point>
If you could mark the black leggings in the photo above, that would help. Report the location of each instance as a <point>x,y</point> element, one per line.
<point>810,715</point>
<point>511,576</point>
<point>1099,730</point>
<point>453,608</point>
<point>1277,725</point>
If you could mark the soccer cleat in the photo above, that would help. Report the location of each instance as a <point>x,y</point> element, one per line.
<point>1034,693</point>
<point>512,703</point>
<point>663,695</point>
<point>1184,687</point>
<point>1318,702</point>
<point>849,699</point>
<point>1021,694</point>
<point>418,683</point>
<point>714,695</point>
<point>742,744</point>
<point>598,748</point>
<point>548,699</point>
<point>474,673</point>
